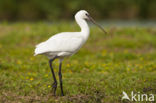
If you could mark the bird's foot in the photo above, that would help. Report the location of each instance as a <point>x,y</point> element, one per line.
<point>54,87</point>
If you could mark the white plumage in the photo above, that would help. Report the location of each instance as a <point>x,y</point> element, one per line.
<point>62,44</point>
<point>65,43</point>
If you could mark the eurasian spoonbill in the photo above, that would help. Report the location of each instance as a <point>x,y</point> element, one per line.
<point>65,44</point>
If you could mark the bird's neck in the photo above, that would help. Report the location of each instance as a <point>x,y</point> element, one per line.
<point>84,27</point>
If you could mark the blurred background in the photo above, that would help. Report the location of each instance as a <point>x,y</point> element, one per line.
<point>125,59</point>
<point>37,10</point>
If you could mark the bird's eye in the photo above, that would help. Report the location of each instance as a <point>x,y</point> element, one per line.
<point>87,14</point>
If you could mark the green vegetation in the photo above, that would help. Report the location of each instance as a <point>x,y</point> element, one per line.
<point>64,9</point>
<point>124,60</point>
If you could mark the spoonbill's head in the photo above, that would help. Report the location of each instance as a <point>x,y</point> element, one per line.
<point>82,14</point>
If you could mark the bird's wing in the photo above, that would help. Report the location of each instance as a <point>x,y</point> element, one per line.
<point>59,44</point>
<point>65,44</point>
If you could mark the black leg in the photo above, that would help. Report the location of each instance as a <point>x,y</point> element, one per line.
<point>54,85</point>
<point>60,78</point>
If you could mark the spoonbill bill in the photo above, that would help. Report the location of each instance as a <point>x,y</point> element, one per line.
<point>65,44</point>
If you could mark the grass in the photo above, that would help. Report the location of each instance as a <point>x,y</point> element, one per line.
<point>124,60</point>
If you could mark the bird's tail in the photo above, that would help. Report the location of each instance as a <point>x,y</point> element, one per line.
<point>40,48</point>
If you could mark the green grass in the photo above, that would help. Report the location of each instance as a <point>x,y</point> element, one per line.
<point>124,60</point>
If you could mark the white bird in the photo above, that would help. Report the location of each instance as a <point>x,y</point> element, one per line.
<point>65,44</point>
